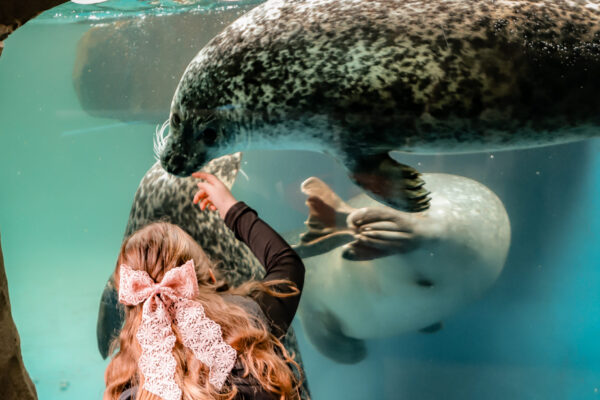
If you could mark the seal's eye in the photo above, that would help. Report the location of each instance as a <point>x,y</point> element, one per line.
<point>209,135</point>
<point>175,120</point>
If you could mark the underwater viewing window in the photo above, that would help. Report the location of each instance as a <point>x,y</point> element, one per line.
<point>435,165</point>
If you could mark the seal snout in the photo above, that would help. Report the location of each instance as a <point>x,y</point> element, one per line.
<point>180,163</point>
<point>174,163</point>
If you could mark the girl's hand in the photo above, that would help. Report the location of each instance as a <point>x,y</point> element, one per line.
<point>212,193</point>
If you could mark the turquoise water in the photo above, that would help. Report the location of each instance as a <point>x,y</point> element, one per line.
<point>119,9</point>
<point>68,180</point>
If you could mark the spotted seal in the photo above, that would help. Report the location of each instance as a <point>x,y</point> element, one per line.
<point>373,271</point>
<point>356,79</point>
<point>161,196</point>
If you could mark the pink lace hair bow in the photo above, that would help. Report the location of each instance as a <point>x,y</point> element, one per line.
<point>174,305</point>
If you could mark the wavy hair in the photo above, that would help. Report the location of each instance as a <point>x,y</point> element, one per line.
<point>156,249</point>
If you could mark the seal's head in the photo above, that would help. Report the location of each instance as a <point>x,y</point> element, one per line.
<point>194,138</point>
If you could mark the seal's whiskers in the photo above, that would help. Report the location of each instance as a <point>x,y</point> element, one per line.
<point>160,140</point>
<point>241,171</point>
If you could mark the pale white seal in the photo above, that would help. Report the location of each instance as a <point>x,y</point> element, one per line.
<point>373,271</point>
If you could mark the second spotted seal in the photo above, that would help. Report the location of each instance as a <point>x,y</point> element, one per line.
<point>357,79</point>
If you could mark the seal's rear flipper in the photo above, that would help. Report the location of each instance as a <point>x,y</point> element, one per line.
<point>366,234</point>
<point>395,184</point>
<point>326,223</point>
<point>324,332</point>
<point>326,209</point>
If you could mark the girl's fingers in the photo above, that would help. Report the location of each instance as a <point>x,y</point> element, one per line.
<point>204,203</point>
<point>212,207</point>
<point>200,194</point>
<point>202,198</point>
<point>206,187</point>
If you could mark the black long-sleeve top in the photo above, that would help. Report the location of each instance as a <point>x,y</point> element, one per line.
<point>278,258</point>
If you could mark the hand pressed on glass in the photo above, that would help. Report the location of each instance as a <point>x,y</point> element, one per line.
<point>213,193</point>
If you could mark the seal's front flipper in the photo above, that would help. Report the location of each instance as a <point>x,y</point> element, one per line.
<point>380,232</point>
<point>225,168</point>
<point>111,316</point>
<point>395,184</point>
<point>324,331</point>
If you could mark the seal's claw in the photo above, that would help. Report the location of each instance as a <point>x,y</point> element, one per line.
<point>372,244</point>
<point>375,216</point>
<point>395,184</point>
<point>380,232</point>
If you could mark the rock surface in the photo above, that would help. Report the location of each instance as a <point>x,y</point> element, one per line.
<point>14,13</point>
<point>15,383</point>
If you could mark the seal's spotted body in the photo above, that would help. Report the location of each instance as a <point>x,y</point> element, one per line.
<point>163,197</point>
<point>357,79</point>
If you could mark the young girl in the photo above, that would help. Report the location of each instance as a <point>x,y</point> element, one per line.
<point>186,335</point>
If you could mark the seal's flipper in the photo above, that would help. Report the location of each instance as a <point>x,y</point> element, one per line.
<point>111,316</point>
<point>324,332</point>
<point>225,168</point>
<point>395,184</point>
<point>326,222</point>
<point>326,211</point>
<point>367,233</point>
<point>323,244</point>
<point>313,186</point>
<point>380,232</point>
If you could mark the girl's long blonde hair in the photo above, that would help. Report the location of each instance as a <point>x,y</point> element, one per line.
<point>156,249</point>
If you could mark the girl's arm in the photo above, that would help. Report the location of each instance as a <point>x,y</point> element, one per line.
<point>278,258</point>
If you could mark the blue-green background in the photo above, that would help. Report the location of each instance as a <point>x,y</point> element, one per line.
<point>67,182</point>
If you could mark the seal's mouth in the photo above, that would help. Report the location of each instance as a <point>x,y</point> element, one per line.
<point>179,164</point>
<point>179,152</point>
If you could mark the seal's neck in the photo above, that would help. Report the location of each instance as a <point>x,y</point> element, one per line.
<point>283,136</point>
